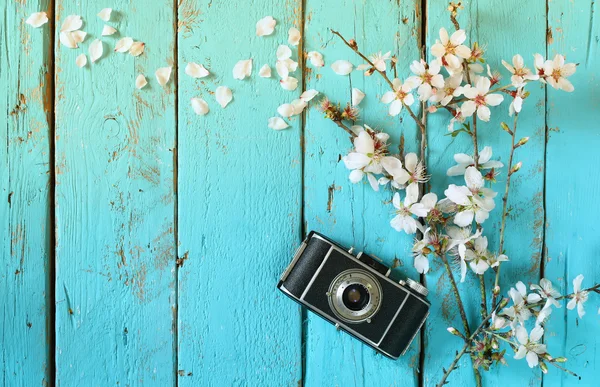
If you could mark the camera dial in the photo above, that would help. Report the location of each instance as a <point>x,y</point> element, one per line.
<point>355,296</point>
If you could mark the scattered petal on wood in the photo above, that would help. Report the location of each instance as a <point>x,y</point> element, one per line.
<point>81,60</point>
<point>162,75</point>
<point>37,19</point>
<point>200,106</point>
<point>96,49</point>
<point>342,67</point>
<point>105,14</point>
<point>137,48</point>
<point>71,23</point>
<point>308,95</point>
<point>223,95</point>
<point>67,39</point>
<point>140,81</point>
<point>357,96</point>
<point>283,52</point>
<point>286,110</point>
<point>124,44</point>
<point>290,64</point>
<point>290,83</point>
<point>282,70</point>
<point>298,105</point>
<point>294,36</point>
<point>277,123</point>
<point>195,70</point>
<point>78,36</point>
<point>265,26</point>
<point>242,69</point>
<point>108,30</point>
<point>265,72</point>
<point>316,59</point>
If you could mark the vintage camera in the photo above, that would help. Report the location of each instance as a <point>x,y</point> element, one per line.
<point>356,294</point>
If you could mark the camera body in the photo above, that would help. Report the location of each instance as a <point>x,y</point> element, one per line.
<point>356,294</point>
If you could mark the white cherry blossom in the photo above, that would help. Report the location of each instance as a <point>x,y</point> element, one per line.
<point>478,257</point>
<point>450,49</point>
<point>452,88</point>
<point>546,291</point>
<point>369,150</point>
<point>379,60</point>
<point>529,347</point>
<point>479,99</point>
<point>459,237</point>
<point>426,78</point>
<point>557,72</point>
<point>517,102</point>
<point>404,220</point>
<point>464,161</point>
<point>520,73</point>
<point>473,201</point>
<point>400,96</point>
<point>518,312</point>
<point>579,297</point>
<point>420,252</point>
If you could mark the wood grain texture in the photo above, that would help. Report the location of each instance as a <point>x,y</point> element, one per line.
<point>351,214</point>
<point>25,81</point>
<point>115,203</point>
<point>572,189</point>
<point>239,202</point>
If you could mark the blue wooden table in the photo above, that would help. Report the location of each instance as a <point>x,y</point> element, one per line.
<point>141,243</point>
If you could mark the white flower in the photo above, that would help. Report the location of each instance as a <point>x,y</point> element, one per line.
<point>474,201</point>
<point>293,36</point>
<point>265,26</point>
<point>530,347</point>
<point>37,19</point>
<point>494,260</point>
<point>464,161</point>
<point>81,60</point>
<point>200,106</point>
<point>357,96</point>
<point>546,291</point>
<point>367,157</point>
<point>105,14</point>
<point>498,322</point>
<point>425,78</point>
<point>459,237</point>
<point>450,89</point>
<point>405,210</point>
<point>579,296</point>
<point>242,69</point>
<point>265,71</point>
<point>378,60</point>
<point>478,258</point>
<point>451,49</point>
<point>342,67</point>
<point>95,50</point>
<point>519,72</point>
<point>479,99</point>
<point>400,96</point>
<point>316,58</point>
<point>277,123</point>
<point>223,95</point>
<point>544,313</point>
<point>518,312</point>
<point>420,252</point>
<point>162,75</point>
<point>517,102</point>
<point>108,30</point>
<point>458,117</point>
<point>140,81</point>
<point>538,64</point>
<point>413,170</point>
<point>556,72</point>
<point>196,70</point>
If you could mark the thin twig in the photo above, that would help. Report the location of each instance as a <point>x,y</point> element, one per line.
<point>461,307</point>
<point>347,129</point>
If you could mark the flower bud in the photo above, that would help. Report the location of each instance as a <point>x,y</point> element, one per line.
<point>506,128</point>
<point>432,109</point>
<point>516,167</point>
<point>522,141</point>
<point>455,332</point>
<point>544,367</point>
<point>353,44</point>
<point>560,359</point>
<point>496,290</point>
<point>503,303</point>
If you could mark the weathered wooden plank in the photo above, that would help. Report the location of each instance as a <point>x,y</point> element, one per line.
<point>355,214</point>
<point>239,202</point>
<point>25,81</point>
<point>572,189</point>
<point>115,203</point>
<point>487,23</point>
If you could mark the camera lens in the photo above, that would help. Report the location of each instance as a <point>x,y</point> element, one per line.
<point>355,297</point>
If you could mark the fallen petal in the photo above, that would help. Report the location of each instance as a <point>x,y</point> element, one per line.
<point>242,69</point>
<point>265,72</point>
<point>223,95</point>
<point>200,106</point>
<point>71,23</point>
<point>283,52</point>
<point>124,44</point>
<point>342,67</point>
<point>195,70</point>
<point>81,60</point>
<point>282,69</point>
<point>290,83</point>
<point>298,105</point>
<point>294,36</point>
<point>316,58</point>
<point>277,123</point>
<point>105,14</point>
<point>78,36</point>
<point>137,48</point>
<point>140,81</point>
<point>95,50</point>
<point>357,96</point>
<point>37,19</point>
<point>286,110</point>
<point>162,75</point>
<point>308,95</point>
<point>265,26</point>
<point>108,30</point>
<point>67,39</point>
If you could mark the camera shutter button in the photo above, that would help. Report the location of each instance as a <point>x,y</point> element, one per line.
<point>414,285</point>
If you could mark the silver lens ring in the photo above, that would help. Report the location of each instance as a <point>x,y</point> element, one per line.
<point>343,281</point>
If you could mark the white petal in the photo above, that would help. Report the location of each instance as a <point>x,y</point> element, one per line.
<point>356,176</point>
<point>162,75</point>
<point>355,160</point>
<point>282,69</point>
<point>95,50</point>
<point>265,26</point>
<point>473,178</point>
<point>124,44</point>
<point>277,123</point>
<point>421,264</point>
<point>298,105</point>
<point>316,59</point>
<point>373,182</point>
<point>265,72</point>
<point>108,30</point>
<point>137,49</point>
<point>195,70</point>
<point>308,95</point>
<point>105,14</point>
<point>242,69</point>
<point>363,143</point>
<point>577,283</point>
<point>483,113</point>
<point>67,39</point>
<point>140,81</point>
<point>283,52</point>
<point>395,107</point>
<point>342,67</point>
<point>521,334</point>
<point>71,23</point>
<point>464,218</point>
<point>293,36</point>
<point>81,60</point>
<point>388,97</point>
<point>223,95</point>
<point>78,36</point>
<point>37,19</point>
<point>494,99</point>
<point>357,96</point>
<point>532,359</point>
<point>200,106</point>
<point>286,110</point>
<point>290,83</point>
<point>410,162</point>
